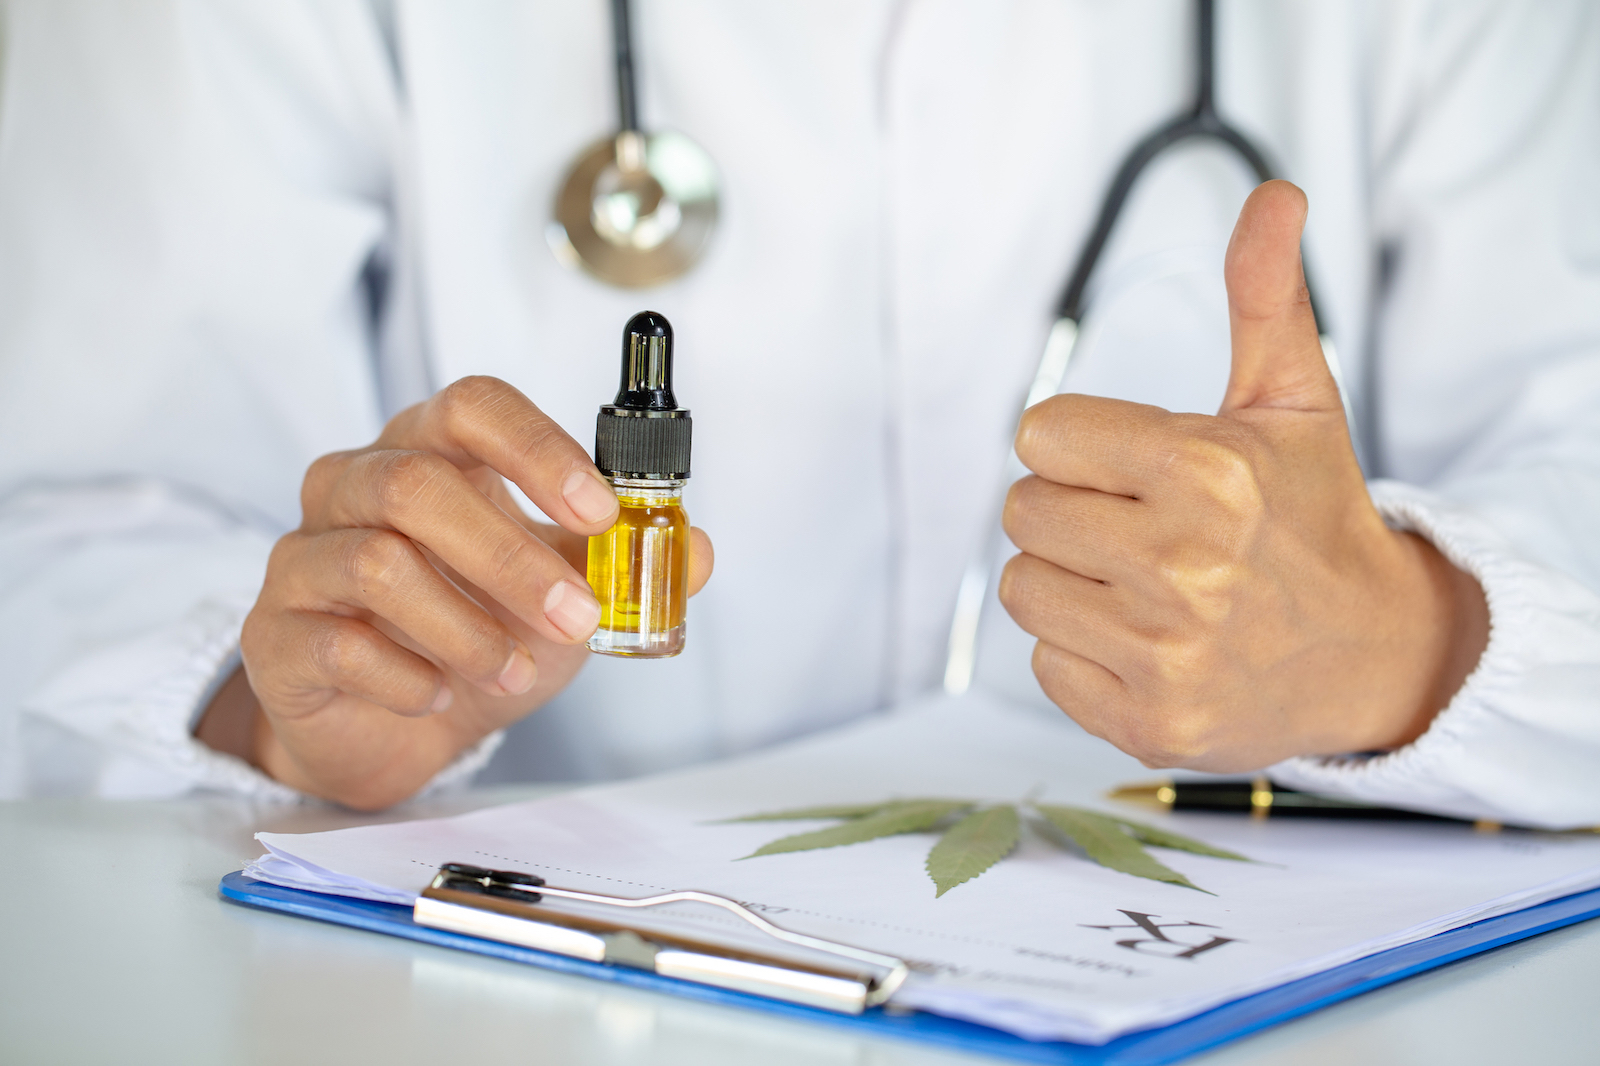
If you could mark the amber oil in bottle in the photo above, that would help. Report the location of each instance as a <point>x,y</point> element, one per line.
<point>639,568</point>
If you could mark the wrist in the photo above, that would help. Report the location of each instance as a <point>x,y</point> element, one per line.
<point>232,720</point>
<point>1468,623</point>
<point>1449,624</point>
<point>360,756</point>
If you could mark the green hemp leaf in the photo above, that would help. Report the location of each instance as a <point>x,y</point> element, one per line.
<point>907,816</point>
<point>1161,838</point>
<point>976,836</point>
<point>1104,840</point>
<point>972,845</point>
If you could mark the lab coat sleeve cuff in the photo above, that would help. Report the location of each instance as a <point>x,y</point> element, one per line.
<point>1519,741</point>
<point>120,722</point>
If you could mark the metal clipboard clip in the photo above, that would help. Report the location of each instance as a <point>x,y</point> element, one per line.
<point>503,905</point>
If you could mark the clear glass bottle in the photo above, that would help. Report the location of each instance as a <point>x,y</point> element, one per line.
<point>639,568</point>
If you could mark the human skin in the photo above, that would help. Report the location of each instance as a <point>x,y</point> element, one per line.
<point>417,608</point>
<point>1219,592</point>
<point>1209,592</point>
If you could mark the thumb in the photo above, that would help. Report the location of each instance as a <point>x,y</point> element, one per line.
<point>1277,357</point>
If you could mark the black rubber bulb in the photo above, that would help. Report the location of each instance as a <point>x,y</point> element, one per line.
<point>647,364</point>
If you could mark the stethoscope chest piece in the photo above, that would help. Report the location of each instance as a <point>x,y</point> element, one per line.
<point>636,209</point>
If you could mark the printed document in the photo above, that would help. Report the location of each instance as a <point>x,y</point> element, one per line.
<point>1045,944</point>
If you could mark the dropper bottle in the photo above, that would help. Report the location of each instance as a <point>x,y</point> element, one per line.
<point>639,568</point>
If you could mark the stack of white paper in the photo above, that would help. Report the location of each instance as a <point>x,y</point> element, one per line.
<point>1046,944</point>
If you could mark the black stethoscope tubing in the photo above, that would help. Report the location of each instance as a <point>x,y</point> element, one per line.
<point>622,52</point>
<point>1199,122</point>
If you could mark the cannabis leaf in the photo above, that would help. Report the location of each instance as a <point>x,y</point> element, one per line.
<point>1162,838</point>
<point>906,816</point>
<point>983,835</point>
<point>972,845</point>
<point>1104,841</point>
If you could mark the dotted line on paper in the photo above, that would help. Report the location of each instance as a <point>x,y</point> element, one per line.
<point>580,873</point>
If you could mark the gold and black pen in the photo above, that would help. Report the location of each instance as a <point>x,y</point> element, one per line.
<point>1262,798</point>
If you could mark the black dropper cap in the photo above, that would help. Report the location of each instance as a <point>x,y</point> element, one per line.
<point>644,434</point>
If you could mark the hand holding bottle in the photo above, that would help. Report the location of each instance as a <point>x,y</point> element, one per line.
<point>417,609</point>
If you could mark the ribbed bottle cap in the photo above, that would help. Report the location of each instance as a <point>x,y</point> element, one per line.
<point>643,433</point>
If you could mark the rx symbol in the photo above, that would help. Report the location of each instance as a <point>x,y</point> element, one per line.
<point>1158,940</point>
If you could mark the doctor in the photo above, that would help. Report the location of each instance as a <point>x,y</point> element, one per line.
<point>233,241</point>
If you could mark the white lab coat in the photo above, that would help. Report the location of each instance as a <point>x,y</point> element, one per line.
<point>202,204</point>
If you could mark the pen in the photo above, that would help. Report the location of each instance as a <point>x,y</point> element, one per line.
<point>1262,798</point>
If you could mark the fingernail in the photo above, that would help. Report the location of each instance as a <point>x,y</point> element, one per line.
<point>572,610</point>
<point>444,699</point>
<point>589,497</point>
<point>519,674</point>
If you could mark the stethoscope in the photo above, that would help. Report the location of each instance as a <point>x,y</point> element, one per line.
<point>638,209</point>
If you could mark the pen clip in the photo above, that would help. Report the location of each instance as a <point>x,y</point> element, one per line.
<point>506,884</point>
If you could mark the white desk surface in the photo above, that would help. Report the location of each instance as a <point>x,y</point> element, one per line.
<point>114,948</point>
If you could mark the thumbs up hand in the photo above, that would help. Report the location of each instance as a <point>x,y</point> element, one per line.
<point>1219,592</point>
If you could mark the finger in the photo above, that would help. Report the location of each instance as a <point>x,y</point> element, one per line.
<point>1090,694</point>
<point>1104,706</point>
<point>482,420</point>
<point>1098,535</point>
<point>1065,609</point>
<point>701,559</point>
<point>1277,355</point>
<point>304,653</point>
<point>384,573</point>
<point>1114,446</point>
<point>572,547</point>
<point>423,496</point>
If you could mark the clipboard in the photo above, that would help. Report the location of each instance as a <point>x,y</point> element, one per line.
<point>1152,1047</point>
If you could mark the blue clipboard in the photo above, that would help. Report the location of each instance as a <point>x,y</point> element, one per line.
<point>1153,1047</point>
